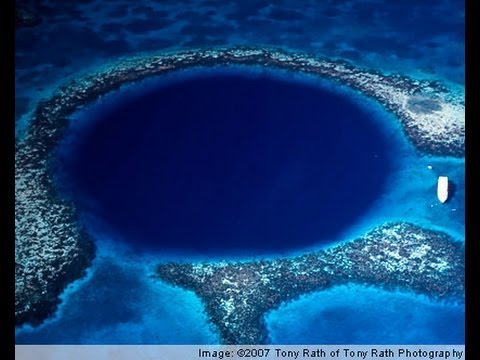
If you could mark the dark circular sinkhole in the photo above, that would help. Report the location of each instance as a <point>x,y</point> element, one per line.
<point>226,163</point>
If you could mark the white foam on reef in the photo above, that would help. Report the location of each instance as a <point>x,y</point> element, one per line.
<point>366,315</point>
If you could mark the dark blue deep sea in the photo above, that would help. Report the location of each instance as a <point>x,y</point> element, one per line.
<point>227,164</point>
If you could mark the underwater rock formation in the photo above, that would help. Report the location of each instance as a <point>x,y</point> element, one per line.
<point>52,250</point>
<point>392,256</point>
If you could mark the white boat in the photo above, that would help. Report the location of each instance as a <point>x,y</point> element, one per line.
<point>442,188</point>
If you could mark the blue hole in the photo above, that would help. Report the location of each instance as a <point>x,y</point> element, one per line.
<point>227,163</point>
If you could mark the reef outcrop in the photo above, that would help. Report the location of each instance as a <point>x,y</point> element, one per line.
<point>52,249</point>
<point>392,256</point>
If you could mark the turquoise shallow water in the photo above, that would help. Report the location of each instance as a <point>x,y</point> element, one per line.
<point>422,38</point>
<point>118,302</point>
<point>356,314</point>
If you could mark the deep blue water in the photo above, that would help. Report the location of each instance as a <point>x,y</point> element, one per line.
<point>223,163</point>
<point>118,302</point>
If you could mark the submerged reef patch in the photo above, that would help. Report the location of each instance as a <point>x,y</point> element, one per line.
<point>392,256</point>
<point>421,105</point>
<point>51,248</point>
<point>51,251</point>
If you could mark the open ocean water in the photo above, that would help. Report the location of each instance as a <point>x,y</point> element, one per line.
<point>203,123</point>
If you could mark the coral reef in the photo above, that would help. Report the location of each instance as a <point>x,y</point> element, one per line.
<point>52,249</point>
<point>392,256</point>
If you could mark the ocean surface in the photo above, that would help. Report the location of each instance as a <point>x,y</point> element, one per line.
<point>129,159</point>
<point>227,163</point>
